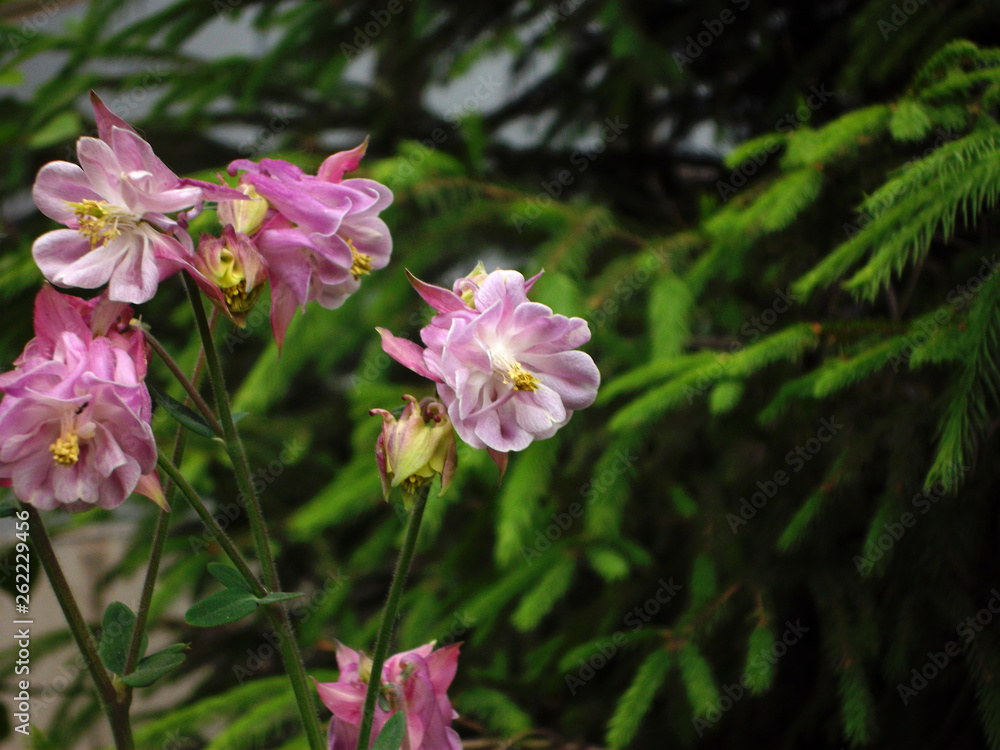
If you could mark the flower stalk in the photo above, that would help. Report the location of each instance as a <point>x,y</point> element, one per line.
<point>114,708</point>
<point>277,612</point>
<point>388,621</point>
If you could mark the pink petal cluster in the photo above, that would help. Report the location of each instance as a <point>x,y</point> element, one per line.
<point>322,233</point>
<point>507,369</point>
<point>75,415</point>
<point>115,205</point>
<point>414,681</point>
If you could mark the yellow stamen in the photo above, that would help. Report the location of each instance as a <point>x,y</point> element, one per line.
<point>66,449</point>
<point>521,379</point>
<point>361,264</point>
<point>512,373</point>
<point>99,221</point>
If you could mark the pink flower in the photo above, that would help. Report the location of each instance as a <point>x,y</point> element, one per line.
<point>74,425</point>
<point>323,232</point>
<point>415,681</point>
<point>115,205</point>
<point>56,313</point>
<point>507,369</point>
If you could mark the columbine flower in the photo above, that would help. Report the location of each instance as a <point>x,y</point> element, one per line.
<point>74,427</point>
<point>415,448</point>
<point>56,313</point>
<point>414,681</point>
<point>232,272</point>
<point>323,233</point>
<point>115,206</point>
<point>507,369</point>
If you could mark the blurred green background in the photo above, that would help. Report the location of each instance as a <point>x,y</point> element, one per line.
<point>778,220</point>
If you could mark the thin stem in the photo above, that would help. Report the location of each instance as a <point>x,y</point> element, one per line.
<point>195,501</point>
<point>189,386</point>
<point>389,614</point>
<point>106,691</point>
<point>162,525</point>
<point>234,446</point>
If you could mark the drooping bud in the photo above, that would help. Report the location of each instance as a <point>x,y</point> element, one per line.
<point>244,216</point>
<point>236,267</point>
<point>415,447</point>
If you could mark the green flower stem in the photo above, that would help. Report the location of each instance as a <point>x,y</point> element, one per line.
<point>111,701</point>
<point>389,613</point>
<point>195,501</point>
<point>234,446</point>
<point>189,386</point>
<point>162,520</point>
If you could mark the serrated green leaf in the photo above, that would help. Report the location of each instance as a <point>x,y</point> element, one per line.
<point>221,608</point>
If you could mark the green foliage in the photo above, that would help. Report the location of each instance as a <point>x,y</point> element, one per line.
<point>638,699</point>
<point>876,210</point>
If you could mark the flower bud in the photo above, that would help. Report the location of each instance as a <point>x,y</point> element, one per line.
<point>466,286</point>
<point>236,267</point>
<point>244,216</point>
<point>415,447</point>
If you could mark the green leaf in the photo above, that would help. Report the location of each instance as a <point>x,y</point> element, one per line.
<point>153,667</point>
<point>65,126</point>
<point>279,596</point>
<point>117,625</point>
<point>638,699</point>
<point>221,608</point>
<point>185,416</point>
<point>697,676</point>
<point>229,577</point>
<point>391,736</point>
<point>9,506</point>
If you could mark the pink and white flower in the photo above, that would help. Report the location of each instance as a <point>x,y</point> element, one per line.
<point>507,369</point>
<point>75,426</point>
<point>115,205</point>
<point>322,234</point>
<point>414,681</point>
